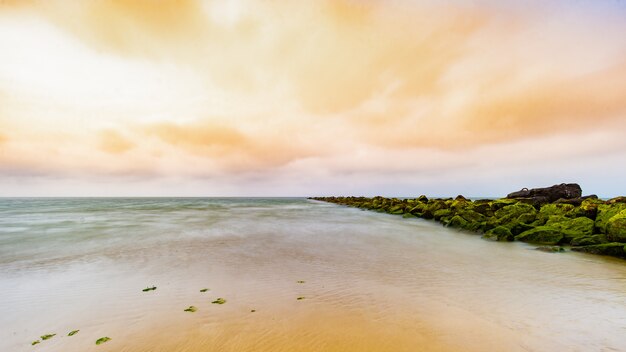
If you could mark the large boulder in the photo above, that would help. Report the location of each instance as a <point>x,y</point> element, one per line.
<point>541,235</point>
<point>549,194</point>
<point>616,227</point>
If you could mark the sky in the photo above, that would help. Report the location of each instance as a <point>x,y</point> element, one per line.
<point>305,98</point>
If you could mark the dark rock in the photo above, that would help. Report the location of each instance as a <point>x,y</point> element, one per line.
<point>549,194</point>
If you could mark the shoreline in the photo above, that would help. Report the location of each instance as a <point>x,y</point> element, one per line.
<point>550,217</point>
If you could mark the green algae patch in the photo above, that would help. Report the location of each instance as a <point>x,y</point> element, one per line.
<point>191,309</point>
<point>300,298</point>
<point>73,332</point>
<point>220,300</point>
<point>149,289</point>
<point>47,336</point>
<point>300,281</point>
<point>102,340</point>
<point>204,290</point>
<point>35,342</point>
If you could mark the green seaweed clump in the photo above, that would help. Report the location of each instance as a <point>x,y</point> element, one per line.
<point>73,332</point>
<point>219,301</point>
<point>300,298</point>
<point>47,336</point>
<point>300,281</point>
<point>102,340</point>
<point>191,309</point>
<point>204,290</point>
<point>253,310</point>
<point>35,342</point>
<point>149,289</point>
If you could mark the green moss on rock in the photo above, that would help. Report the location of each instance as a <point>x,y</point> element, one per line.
<point>541,235</point>
<point>500,233</point>
<point>605,213</point>
<point>458,222</point>
<point>613,249</point>
<point>616,227</point>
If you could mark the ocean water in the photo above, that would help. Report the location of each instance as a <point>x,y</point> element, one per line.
<point>372,282</point>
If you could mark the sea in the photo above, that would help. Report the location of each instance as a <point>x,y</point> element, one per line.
<point>294,275</point>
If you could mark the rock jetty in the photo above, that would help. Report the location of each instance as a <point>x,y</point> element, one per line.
<point>551,216</point>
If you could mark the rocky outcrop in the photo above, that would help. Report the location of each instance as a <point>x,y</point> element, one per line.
<point>569,191</point>
<point>553,216</point>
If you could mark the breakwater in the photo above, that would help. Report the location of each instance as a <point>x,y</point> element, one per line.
<point>550,217</point>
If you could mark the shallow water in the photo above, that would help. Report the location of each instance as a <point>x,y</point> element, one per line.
<point>373,282</point>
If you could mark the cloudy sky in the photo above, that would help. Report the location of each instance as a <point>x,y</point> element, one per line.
<point>360,97</point>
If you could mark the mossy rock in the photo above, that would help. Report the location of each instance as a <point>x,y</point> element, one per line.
<point>555,209</point>
<point>588,240</point>
<point>616,227</point>
<point>605,213</point>
<point>550,249</point>
<point>541,235</point>
<point>73,332</point>
<point>418,209</point>
<point>613,249</point>
<point>457,222</point>
<point>397,209</point>
<point>501,203</point>
<point>408,215</point>
<point>588,208</point>
<point>482,208</point>
<point>220,300</point>
<point>191,309</point>
<point>441,213</point>
<point>514,211</point>
<point>572,228</point>
<point>102,340</point>
<point>500,233</point>
<point>517,227</point>
<point>472,216</point>
<point>620,199</point>
<point>47,336</point>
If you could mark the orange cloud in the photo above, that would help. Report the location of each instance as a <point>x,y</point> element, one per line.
<point>113,142</point>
